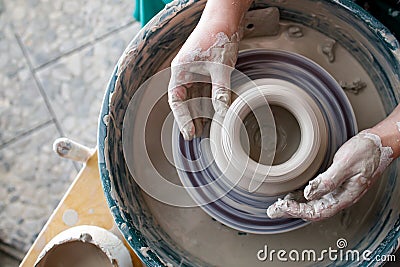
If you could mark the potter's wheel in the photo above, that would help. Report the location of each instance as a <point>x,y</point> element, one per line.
<point>239,208</point>
<point>165,234</point>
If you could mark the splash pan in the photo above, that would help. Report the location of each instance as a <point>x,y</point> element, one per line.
<point>355,49</point>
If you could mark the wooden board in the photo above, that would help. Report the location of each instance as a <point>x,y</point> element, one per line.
<point>86,197</point>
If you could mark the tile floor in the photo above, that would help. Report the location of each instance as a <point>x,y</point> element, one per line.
<point>56,59</point>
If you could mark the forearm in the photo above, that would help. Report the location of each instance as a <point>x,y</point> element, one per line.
<point>389,132</point>
<point>219,17</point>
<point>225,14</point>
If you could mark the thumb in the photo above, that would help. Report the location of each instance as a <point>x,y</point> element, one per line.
<point>325,182</point>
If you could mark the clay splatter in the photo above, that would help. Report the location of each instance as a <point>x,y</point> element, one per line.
<point>354,87</point>
<point>295,32</point>
<point>328,48</point>
<point>144,251</point>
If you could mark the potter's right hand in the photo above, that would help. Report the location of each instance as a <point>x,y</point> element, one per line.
<point>215,40</point>
<point>356,166</point>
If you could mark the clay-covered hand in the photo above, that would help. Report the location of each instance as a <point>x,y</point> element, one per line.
<point>218,50</point>
<point>214,40</point>
<point>356,166</point>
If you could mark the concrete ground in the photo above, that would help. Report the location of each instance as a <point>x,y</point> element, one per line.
<point>56,58</point>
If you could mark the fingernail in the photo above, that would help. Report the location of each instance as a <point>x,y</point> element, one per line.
<point>311,189</point>
<point>274,212</point>
<point>188,132</point>
<point>307,192</point>
<point>271,212</point>
<point>221,101</point>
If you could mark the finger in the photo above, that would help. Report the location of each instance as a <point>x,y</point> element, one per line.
<point>206,103</point>
<point>288,208</point>
<point>195,108</point>
<point>325,182</point>
<point>206,107</point>
<point>324,207</point>
<point>349,193</point>
<point>311,211</point>
<point>176,100</point>
<point>221,94</point>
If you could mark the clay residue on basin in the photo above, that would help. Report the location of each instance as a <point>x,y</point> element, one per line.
<point>192,234</point>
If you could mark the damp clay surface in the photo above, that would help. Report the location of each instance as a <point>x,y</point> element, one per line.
<point>76,254</point>
<point>206,239</point>
<point>288,135</point>
<point>343,67</point>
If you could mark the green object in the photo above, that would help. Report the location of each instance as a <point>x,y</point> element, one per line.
<point>145,10</point>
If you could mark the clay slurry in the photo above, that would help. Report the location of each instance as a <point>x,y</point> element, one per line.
<point>287,133</point>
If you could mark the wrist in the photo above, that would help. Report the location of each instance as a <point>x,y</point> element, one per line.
<point>389,135</point>
<point>226,15</point>
<point>389,131</point>
<point>217,25</point>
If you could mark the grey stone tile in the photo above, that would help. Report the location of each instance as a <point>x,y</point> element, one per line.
<point>75,84</point>
<point>51,28</point>
<point>12,57</point>
<point>21,104</point>
<point>7,261</point>
<point>32,181</point>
